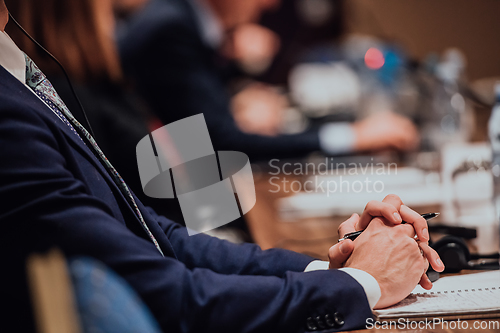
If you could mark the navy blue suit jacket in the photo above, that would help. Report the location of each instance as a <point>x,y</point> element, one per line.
<point>177,74</point>
<point>55,192</point>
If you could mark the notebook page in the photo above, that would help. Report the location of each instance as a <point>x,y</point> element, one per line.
<point>456,294</point>
<point>461,282</point>
<point>461,302</point>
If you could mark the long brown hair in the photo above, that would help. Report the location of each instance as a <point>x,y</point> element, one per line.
<point>77,32</point>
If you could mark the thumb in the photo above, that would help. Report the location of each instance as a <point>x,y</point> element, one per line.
<point>349,225</point>
<point>339,253</point>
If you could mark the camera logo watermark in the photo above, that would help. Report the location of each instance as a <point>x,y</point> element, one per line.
<point>329,177</point>
<point>178,160</point>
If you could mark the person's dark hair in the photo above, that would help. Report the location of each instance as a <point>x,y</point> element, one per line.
<point>77,32</point>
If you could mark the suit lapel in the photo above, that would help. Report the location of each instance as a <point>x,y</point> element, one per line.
<point>12,86</point>
<point>77,142</point>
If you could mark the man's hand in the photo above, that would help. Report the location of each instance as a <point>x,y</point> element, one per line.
<point>339,253</point>
<point>385,130</point>
<point>391,255</point>
<point>394,212</point>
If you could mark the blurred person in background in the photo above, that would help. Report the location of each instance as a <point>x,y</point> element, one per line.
<point>334,75</point>
<point>87,50</point>
<point>172,50</point>
<point>302,25</point>
<point>257,108</point>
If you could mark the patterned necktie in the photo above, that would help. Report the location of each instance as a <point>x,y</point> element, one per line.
<point>37,81</point>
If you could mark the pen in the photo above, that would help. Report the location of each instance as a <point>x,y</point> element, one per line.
<point>354,235</point>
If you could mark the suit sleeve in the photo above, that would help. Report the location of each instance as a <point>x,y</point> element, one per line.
<point>228,258</point>
<point>44,204</point>
<point>176,76</point>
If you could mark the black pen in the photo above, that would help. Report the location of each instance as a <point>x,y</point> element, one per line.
<point>354,235</point>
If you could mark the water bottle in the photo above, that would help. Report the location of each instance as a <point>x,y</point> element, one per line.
<point>494,134</point>
<point>449,117</point>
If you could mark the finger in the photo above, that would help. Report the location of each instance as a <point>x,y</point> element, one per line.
<point>348,226</point>
<point>432,256</point>
<point>339,253</point>
<point>425,282</point>
<point>419,223</point>
<point>393,200</point>
<point>406,229</point>
<point>375,209</point>
<point>426,262</point>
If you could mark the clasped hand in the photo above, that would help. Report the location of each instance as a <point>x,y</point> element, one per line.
<point>396,255</point>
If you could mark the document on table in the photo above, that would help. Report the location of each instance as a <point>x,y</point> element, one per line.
<point>464,296</point>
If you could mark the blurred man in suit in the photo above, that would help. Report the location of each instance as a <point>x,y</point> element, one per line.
<point>171,49</point>
<point>58,189</point>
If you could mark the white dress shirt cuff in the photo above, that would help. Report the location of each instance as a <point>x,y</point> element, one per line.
<point>368,282</point>
<point>317,265</point>
<point>337,138</point>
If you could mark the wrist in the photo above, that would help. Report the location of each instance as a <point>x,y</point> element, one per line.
<point>317,265</point>
<point>368,282</point>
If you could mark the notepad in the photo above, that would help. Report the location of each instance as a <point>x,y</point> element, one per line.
<point>467,296</point>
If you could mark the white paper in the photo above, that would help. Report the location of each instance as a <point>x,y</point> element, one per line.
<point>451,295</point>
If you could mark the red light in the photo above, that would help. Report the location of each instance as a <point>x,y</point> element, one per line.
<point>374,59</point>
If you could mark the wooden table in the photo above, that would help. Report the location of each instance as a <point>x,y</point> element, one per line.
<point>314,236</point>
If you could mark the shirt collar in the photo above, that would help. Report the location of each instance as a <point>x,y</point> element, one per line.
<point>209,24</point>
<point>12,58</point>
